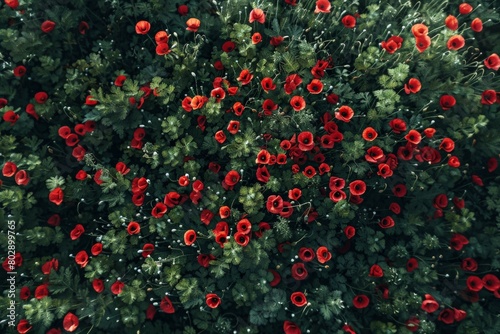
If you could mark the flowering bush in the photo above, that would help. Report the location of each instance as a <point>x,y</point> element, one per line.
<point>251,167</point>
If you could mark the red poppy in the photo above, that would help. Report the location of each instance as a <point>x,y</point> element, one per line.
<point>241,238</point>
<point>299,271</point>
<point>464,8</point>
<point>422,43</point>
<point>429,132</point>
<point>392,44</point>
<point>245,77</point>
<point>298,103</point>
<point>77,231</point>
<point>309,172</point>
<point>492,62</point>
<point>56,196</point>
<point>258,15</point>
<point>360,301</point>
<point>276,41</point>
<point>455,42</point>
<point>315,86</point>
<point>186,104</point>
<point>345,114</point>
<point>218,94</point>
<point>11,117</point>
<point>13,4</point>
<point>19,71</point>
<point>384,170</point>
<point>447,145</point>
<point>429,304</point>
<point>411,264</point>
<point>440,201</point>
<point>419,30</point>
<point>182,10</point>
<point>82,258</point>
<point>376,271</point>
<point>160,37</point>
<point>256,38</point>
<point>117,287</point>
<point>306,254</point>
<point>322,6</point>
<point>476,25</point>
<point>397,125</point>
<point>298,299</point>
<point>212,300</point>
<point>386,222</point>
<point>491,282</point>
<point>231,178</point>
<point>451,22</point>
<point>474,283</point>
<point>369,134</point>
<point>193,24</point>
<point>274,204</point>
<point>323,254</point>
<point>70,322</point>
<point>220,137</point>
<point>198,101</point>
<point>189,237</point>
<point>204,260</point>
<point>22,178</point>
<point>133,228</point>
<point>412,324</point>
<point>349,21</point>
<point>30,110</point>
<point>233,127</point>
<point>447,102</point>
<point>166,305</point>
<point>42,291</point>
<point>492,164</point>
<point>142,27</point>
<point>305,141</point>
<point>447,316</point>
<point>292,81</point>
<point>228,46</point>
<point>267,84</point>
<point>47,26</point>
<point>357,187</point>
<point>458,241</point>
<point>489,97</point>
<point>413,86</point>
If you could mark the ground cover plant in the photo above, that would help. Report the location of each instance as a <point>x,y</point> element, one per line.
<point>288,166</point>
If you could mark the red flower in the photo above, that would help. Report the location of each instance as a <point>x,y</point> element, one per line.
<point>241,238</point>
<point>183,10</point>
<point>489,97</point>
<point>349,231</point>
<point>9,169</point>
<point>386,222</point>
<point>306,254</point>
<point>345,113</point>
<point>413,86</point>
<point>24,293</point>
<point>47,26</point>
<point>469,264</point>
<point>42,291</point>
<point>474,283</point>
<point>212,300</point>
<point>459,314</point>
<point>323,254</point>
<point>228,46</point>
<point>267,84</point>
<point>349,21</point>
<point>220,137</point>
<point>13,4</point>
<point>142,27</point>
<point>133,228</point>
<point>376,271</point>
<point>465,8</point>
<point>309,172</point>
<point>30,110</point>
<point>491,282</point>
<point>193,24</point>
<point>455,42</point>
<point>189,237</point>
<point>322,6</point>
<point>77,231</point>
<point>419,30</point>
<point>150,312</point>
<point>96,249</point>
<point>298,103</point>
<point>357,187</point>
<point>162,49</point>
<point>292,82</point>
<point>19,71</point>
<point>256,38</point>
<point>23,326</point>
<point>447,102</point>
<point>83,27</point>
<point>258,15</point>
<point>454,162</point>
<point>231,178</point>
<point>492,62</point>
<point>361,301</point>
<point>11,117</point>
<point>476,25</point>
<point>348,329</point>
<point>117,287</point>
<point>397,125</point>
<point>204,260</point>
<point>451,22</point>
<point>166,305</point>
<point>411,264</point>
<point>245,77</point>
<point>305,141</point>
<point>384,170</point>
<point>422,43</point>
<point>399,190</point>
<point>395,208</point>
<point>440,201</point>
<point>233,127</point>
<point>332,98</point>
<point>56,196</point>
<point>412,324</point>
<point>299,271</point>
<point>392,44</point>
<point>22,178</point>
<point>274,204</point>
<point>429,304</point>
<point>82,258</point>
<point>458,241</point>
<point>298,299</point>
<point>492,164</point>
<point>315,86</point>
<point>477,180</point>
<point>147,249</point>
<point>276,40</point>
<point>447,316</point>
<point>369,134</point>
